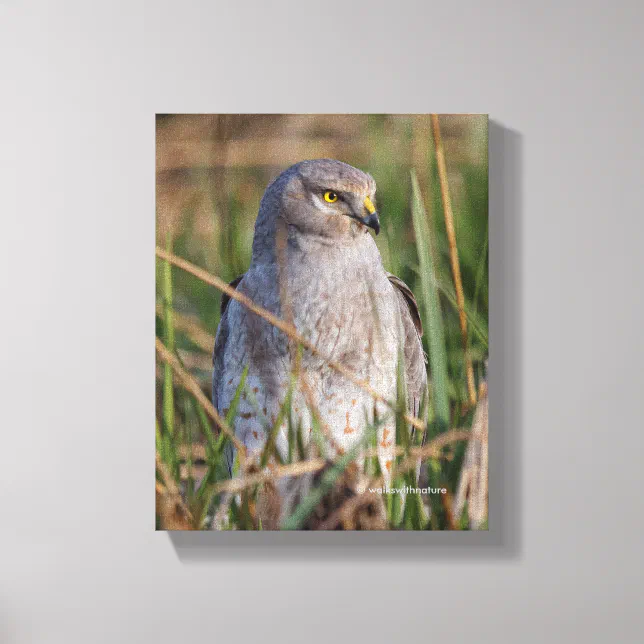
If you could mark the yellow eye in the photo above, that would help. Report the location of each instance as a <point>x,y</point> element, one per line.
<point>330,196</point>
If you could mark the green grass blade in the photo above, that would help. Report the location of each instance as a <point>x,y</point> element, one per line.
<point>299,438</point>
<point>317,435</point>
<point>168,393</point>
<point>402,429</point>
<point>480,273</point>
<point>215,449</point>
<point>475,322</point>
<point>234,405</point>
<point>431,302</point>
<point>270,447</point>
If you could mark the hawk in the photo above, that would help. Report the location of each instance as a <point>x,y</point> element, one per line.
<point>316,265</point>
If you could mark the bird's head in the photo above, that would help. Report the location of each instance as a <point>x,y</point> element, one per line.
<point>323,197</point>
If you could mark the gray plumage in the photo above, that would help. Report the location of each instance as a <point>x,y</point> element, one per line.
<point>315,264</point>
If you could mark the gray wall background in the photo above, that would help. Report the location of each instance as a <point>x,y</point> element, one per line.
<point>562,81</point>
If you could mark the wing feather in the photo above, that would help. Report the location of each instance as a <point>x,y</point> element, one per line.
<point>415,360</point>
<point>219,351</point>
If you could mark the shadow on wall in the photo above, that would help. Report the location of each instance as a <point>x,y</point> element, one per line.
<point>504,538</point>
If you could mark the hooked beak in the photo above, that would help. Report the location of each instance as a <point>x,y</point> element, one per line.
<point>371,220</point>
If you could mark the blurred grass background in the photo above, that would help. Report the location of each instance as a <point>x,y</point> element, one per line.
<point>211,173</point>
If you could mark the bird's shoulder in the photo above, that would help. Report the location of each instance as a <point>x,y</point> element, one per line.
<point>255,285</point>
<point>225,298</point>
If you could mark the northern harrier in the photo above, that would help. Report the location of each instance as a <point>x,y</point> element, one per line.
<point>315,264</point>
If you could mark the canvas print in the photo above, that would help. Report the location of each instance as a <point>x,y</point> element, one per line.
<point>321,322</point>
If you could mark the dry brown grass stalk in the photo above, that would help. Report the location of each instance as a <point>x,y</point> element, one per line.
<point>431,450</point>
<point>453,253</point>
<point>171,510</point>
<point>239,484</point>
<point>194,452</point>
<point>345,515</point>
<point>473,483</point>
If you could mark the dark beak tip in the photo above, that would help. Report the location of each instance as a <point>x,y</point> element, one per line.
<point>373,222</point>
